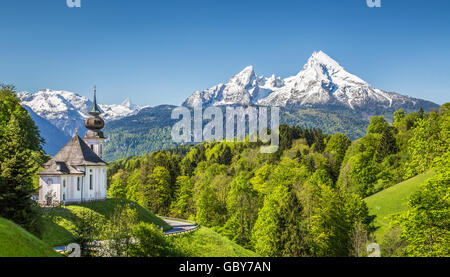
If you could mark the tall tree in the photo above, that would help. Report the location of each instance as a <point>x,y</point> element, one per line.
<point>16,173</point>
<point>280,229</point>
<point>157,191</point>
<point>386,146</point>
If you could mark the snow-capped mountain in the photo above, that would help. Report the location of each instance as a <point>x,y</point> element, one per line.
<point>322,82</point>
<point>68,111</point>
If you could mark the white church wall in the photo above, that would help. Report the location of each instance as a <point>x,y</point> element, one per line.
<point>49,184</point>
<point>98,191</point>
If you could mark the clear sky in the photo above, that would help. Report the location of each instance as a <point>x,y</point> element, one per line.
<point>159,52</point>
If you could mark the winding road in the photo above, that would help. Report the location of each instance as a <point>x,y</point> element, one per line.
<point>179,227</point>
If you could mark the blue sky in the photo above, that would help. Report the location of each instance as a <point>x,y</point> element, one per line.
<point>159,52</point>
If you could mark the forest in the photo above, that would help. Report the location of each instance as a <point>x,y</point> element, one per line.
<point>307,199</point>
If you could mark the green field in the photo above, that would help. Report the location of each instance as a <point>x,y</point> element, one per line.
<point>393,200</point>
<point>204,242</point>
<point>17,242</point>
<point>58,222</point>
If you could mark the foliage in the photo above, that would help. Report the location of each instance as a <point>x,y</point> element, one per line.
<point>87,229</point>
<point>58,223</point>
<point>426,225</point>
<point>20,154</point>
<point>150,242</point>
<point>204,242</point>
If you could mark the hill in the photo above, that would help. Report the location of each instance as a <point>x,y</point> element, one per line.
<point>59,221</point>
<point>393,200</point>
<point>17,242</point>
<point>204,242</point>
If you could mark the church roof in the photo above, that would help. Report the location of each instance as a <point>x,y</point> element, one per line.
<point>75,153</point>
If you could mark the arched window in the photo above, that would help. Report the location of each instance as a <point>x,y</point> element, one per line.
<point>91,181</point>
<point>49,181</point>
<point>78,183</point>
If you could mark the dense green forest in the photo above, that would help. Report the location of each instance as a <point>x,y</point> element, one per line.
<point>307,198</point>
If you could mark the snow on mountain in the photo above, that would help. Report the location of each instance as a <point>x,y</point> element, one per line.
<point>68,111</point>
<point>321,82</point>
<point>243,88</point>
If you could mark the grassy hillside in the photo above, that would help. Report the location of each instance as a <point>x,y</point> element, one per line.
<point>393,200</point>
<point>59,221</point>
<point>204,242</point>
<point>17,242</point>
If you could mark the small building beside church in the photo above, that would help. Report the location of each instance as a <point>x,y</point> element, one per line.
<point>77,173</point>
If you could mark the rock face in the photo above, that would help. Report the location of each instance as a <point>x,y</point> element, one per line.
<point>322,82</point>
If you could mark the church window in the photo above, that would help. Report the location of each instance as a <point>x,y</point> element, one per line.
<point>92,147</point>
<point>64,197</point>
<point>101,150</point>
<point>64,183</point>
<point>91,180</point>
<point>78,183</point>
<point>50,182</point>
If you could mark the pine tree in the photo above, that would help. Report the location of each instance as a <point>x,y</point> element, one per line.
<point>421,113</point>
<point>16,185</point>
<point>386,146</point>
<point>226,156</point>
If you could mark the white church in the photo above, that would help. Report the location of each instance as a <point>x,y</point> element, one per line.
<point>77,173</point>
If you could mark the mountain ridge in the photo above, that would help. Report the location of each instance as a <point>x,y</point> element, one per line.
<point>68,110</point>
<point>322,82</point>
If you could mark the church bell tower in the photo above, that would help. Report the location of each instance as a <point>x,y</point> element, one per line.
<point>94,137</point>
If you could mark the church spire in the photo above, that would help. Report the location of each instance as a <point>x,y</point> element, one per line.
<point>95,111</point>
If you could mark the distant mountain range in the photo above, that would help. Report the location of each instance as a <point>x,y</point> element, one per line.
<point>322,95</point>
<point>59,113</point>
<point>322,83</point>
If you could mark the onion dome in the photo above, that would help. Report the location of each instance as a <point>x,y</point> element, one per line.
<point>94,123</point>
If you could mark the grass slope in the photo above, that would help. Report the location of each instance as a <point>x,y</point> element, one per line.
<point>393,200</point>
<point>204,242</point>
<point>17,242</point>
<point>59,221</point>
